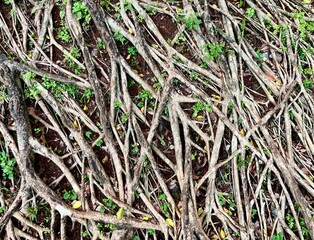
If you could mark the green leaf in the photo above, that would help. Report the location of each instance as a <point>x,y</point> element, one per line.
<point>120,213</point>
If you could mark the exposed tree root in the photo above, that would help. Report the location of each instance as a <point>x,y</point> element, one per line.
<point>157,120</point>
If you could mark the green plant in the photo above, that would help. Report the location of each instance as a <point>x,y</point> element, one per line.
<point>242,162</point>
<point>105,4</point>
<point>200,106</point>
<point>99,143</point>
<point>253,213</point>
<point>32,212</point>
<point>102,227</point>
<point>141,18</point>
<point>7,165</point>
<point>221,199</point>
<point>85,233</point>
<point>63,33</point>
<point>194,75</point>
<point>110,204</point>
<point>3,94</point>
<point>164,205</point>
<point>305,26</point>
<point>101,45</point>
<point>144,96</point>
<point>58,88</point>
<point>117,104</point>
<point>37,130</point>
<point>151,10</point>
<point>192,22</point>
<point>74,52</point>
<point>32,91</point>
<point>213,51</point>
<point>132,51</point>
<point>308,84</point>
<point>69,195</point>
<point>8,2</point>
<point>29,76</point>
<point>304,229</point>
<point>47,230</point>
<point>250,12</point>
<point>124,118</point>
<point>1,210</point>
<point>80,10</point>
<point>134,149</point>
<point>119,37</point>
<point>136,237</point>
<point>88,134</point>
<point>290,220</point>
<point>278,236</point>
<point>230,107</point>
<point>151,231</point>
<point>87,94</point>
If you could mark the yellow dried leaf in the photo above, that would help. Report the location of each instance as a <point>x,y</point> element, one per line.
<point>199,117</point>
<point>170,222</point>
<point>200,211</point>
<point>310,178</point>
<point>85,108</point>
<point>130,30</point>
<point>141,75</point>
<point>105,159</point>
<point>120,213</point>
<point>154,46</point>
<point>178,10</point>
<point>242,132</point>
<point>216,104</point>
<point>145,218</point>
<point>216,96</point>
<point>143,109</point>
<point>214,6</point>
<point>75,123</point>
<point>222,234</point>
<point>118,127</point>
<point>205,148</point>
<point>278,83</point>
<point>165,8</point>
<point>128,57</point>
<point>265,233</point>
<point>77,204</point>
<point>214,237</point>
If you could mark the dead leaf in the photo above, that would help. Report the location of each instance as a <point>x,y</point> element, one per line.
<point>77,204</point>
<point>170,222</point>
<point>75,124</point>
<point>105,159</point>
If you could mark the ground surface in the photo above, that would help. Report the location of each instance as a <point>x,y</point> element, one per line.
<point>156,120</point>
